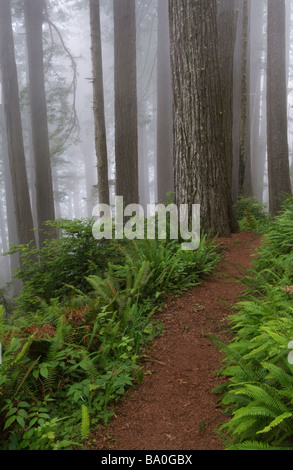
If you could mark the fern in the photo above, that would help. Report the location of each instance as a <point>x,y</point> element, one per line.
<point>85,422</point>
<point>276,422</point>
<point>255,445</point>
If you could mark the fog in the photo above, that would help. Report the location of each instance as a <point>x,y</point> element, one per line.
<point>67,47</point>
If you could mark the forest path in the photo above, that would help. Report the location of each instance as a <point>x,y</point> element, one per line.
<point>173,408</point>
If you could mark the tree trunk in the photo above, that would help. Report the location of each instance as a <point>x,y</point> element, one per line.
<point>11,223</point>
<point>33,10</point>
<point>278,160</point>
<point>227,34</point>
<point>245,182</point>
<point>165,167</point>
<point>22,205</point>
<point>257,82</point>
<point>242,184</point>
<point>126,134</point>
<point>199,144</point>
<point>99,108</point>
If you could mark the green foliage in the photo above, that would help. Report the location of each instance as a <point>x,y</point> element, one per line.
<point>251,215</point>
<point>258,396</point>
<point>70,354</point>
<point>62,265</point>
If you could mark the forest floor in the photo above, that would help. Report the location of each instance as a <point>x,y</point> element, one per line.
<point>173,408</point>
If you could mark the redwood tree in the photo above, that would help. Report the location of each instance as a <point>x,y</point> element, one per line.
<point>165,170</point>
<point>33,10</point>
<point>277,137</point>
<point>126,137</point>
<point>200,153</point>
<point>99,108</point>
<point>227,16</point>
<point>17,163</point>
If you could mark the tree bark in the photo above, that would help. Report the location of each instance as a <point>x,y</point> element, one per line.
<point>278,159</point>
<point>199,143</point>
<point>126,134</point>
<point>22,204</point>
<point>245,181</point>
<point>227,35</point>
<point>242,184</point>
<point>165,166</point>
<point>33,10</point>
<point>99,107</point>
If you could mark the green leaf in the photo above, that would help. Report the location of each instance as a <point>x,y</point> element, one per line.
<point>20,421</point>
<point>44,372</point>
<point>22,413</point>
<point>9,422</point>
<point>33,421</point>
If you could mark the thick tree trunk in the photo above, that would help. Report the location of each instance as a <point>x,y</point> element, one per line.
<point>99,107</point>
<point>278,160</point>
<point>22,205</point>
<point>126,134</point>
<point>165,166</point>
<point>226,35</point>
<point>199,143</point>
<point>33,10</point>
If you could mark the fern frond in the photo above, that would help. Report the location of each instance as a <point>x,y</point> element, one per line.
<point>259,395</point>
<point>284,379</point>
<point>255,445</point>
<point>85,422</point>
<point>276,422</point>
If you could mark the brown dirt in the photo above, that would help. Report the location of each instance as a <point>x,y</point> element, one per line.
<point>173,408</point>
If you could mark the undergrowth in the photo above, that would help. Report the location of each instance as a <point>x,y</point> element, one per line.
<point>76,338</point>
<point>252,215</point>
<point>258,394</point>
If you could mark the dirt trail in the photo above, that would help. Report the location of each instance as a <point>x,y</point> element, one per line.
<point>173,409</point>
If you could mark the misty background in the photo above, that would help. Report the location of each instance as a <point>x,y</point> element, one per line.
<point>70,98</point>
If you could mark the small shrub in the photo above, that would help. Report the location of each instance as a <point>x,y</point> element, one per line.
<point>251,215</point>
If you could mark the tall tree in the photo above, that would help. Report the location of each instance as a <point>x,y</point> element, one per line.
<point>33,10</point>
<point>125,79</point>
<point>227,34</point>
<point>11,222</point>
<point>165,170</point>
<point>199,145</point>
<point>242,184</point>
<point>99,107</point>
<point>277,137</point>
<point>245,181</point>
<point>258,95</point>
<point>17,163</point>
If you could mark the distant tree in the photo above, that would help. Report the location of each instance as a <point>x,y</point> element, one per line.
<point>165,167</point>
<point>199,143</point>
<point>242,184</point>
<point>126,134</point>
<point>277,137</point>
<point>99,108</point>
<point>33,11</point>
<point>15,146</point>
<point>258,95</point>
<point>10,213</point>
